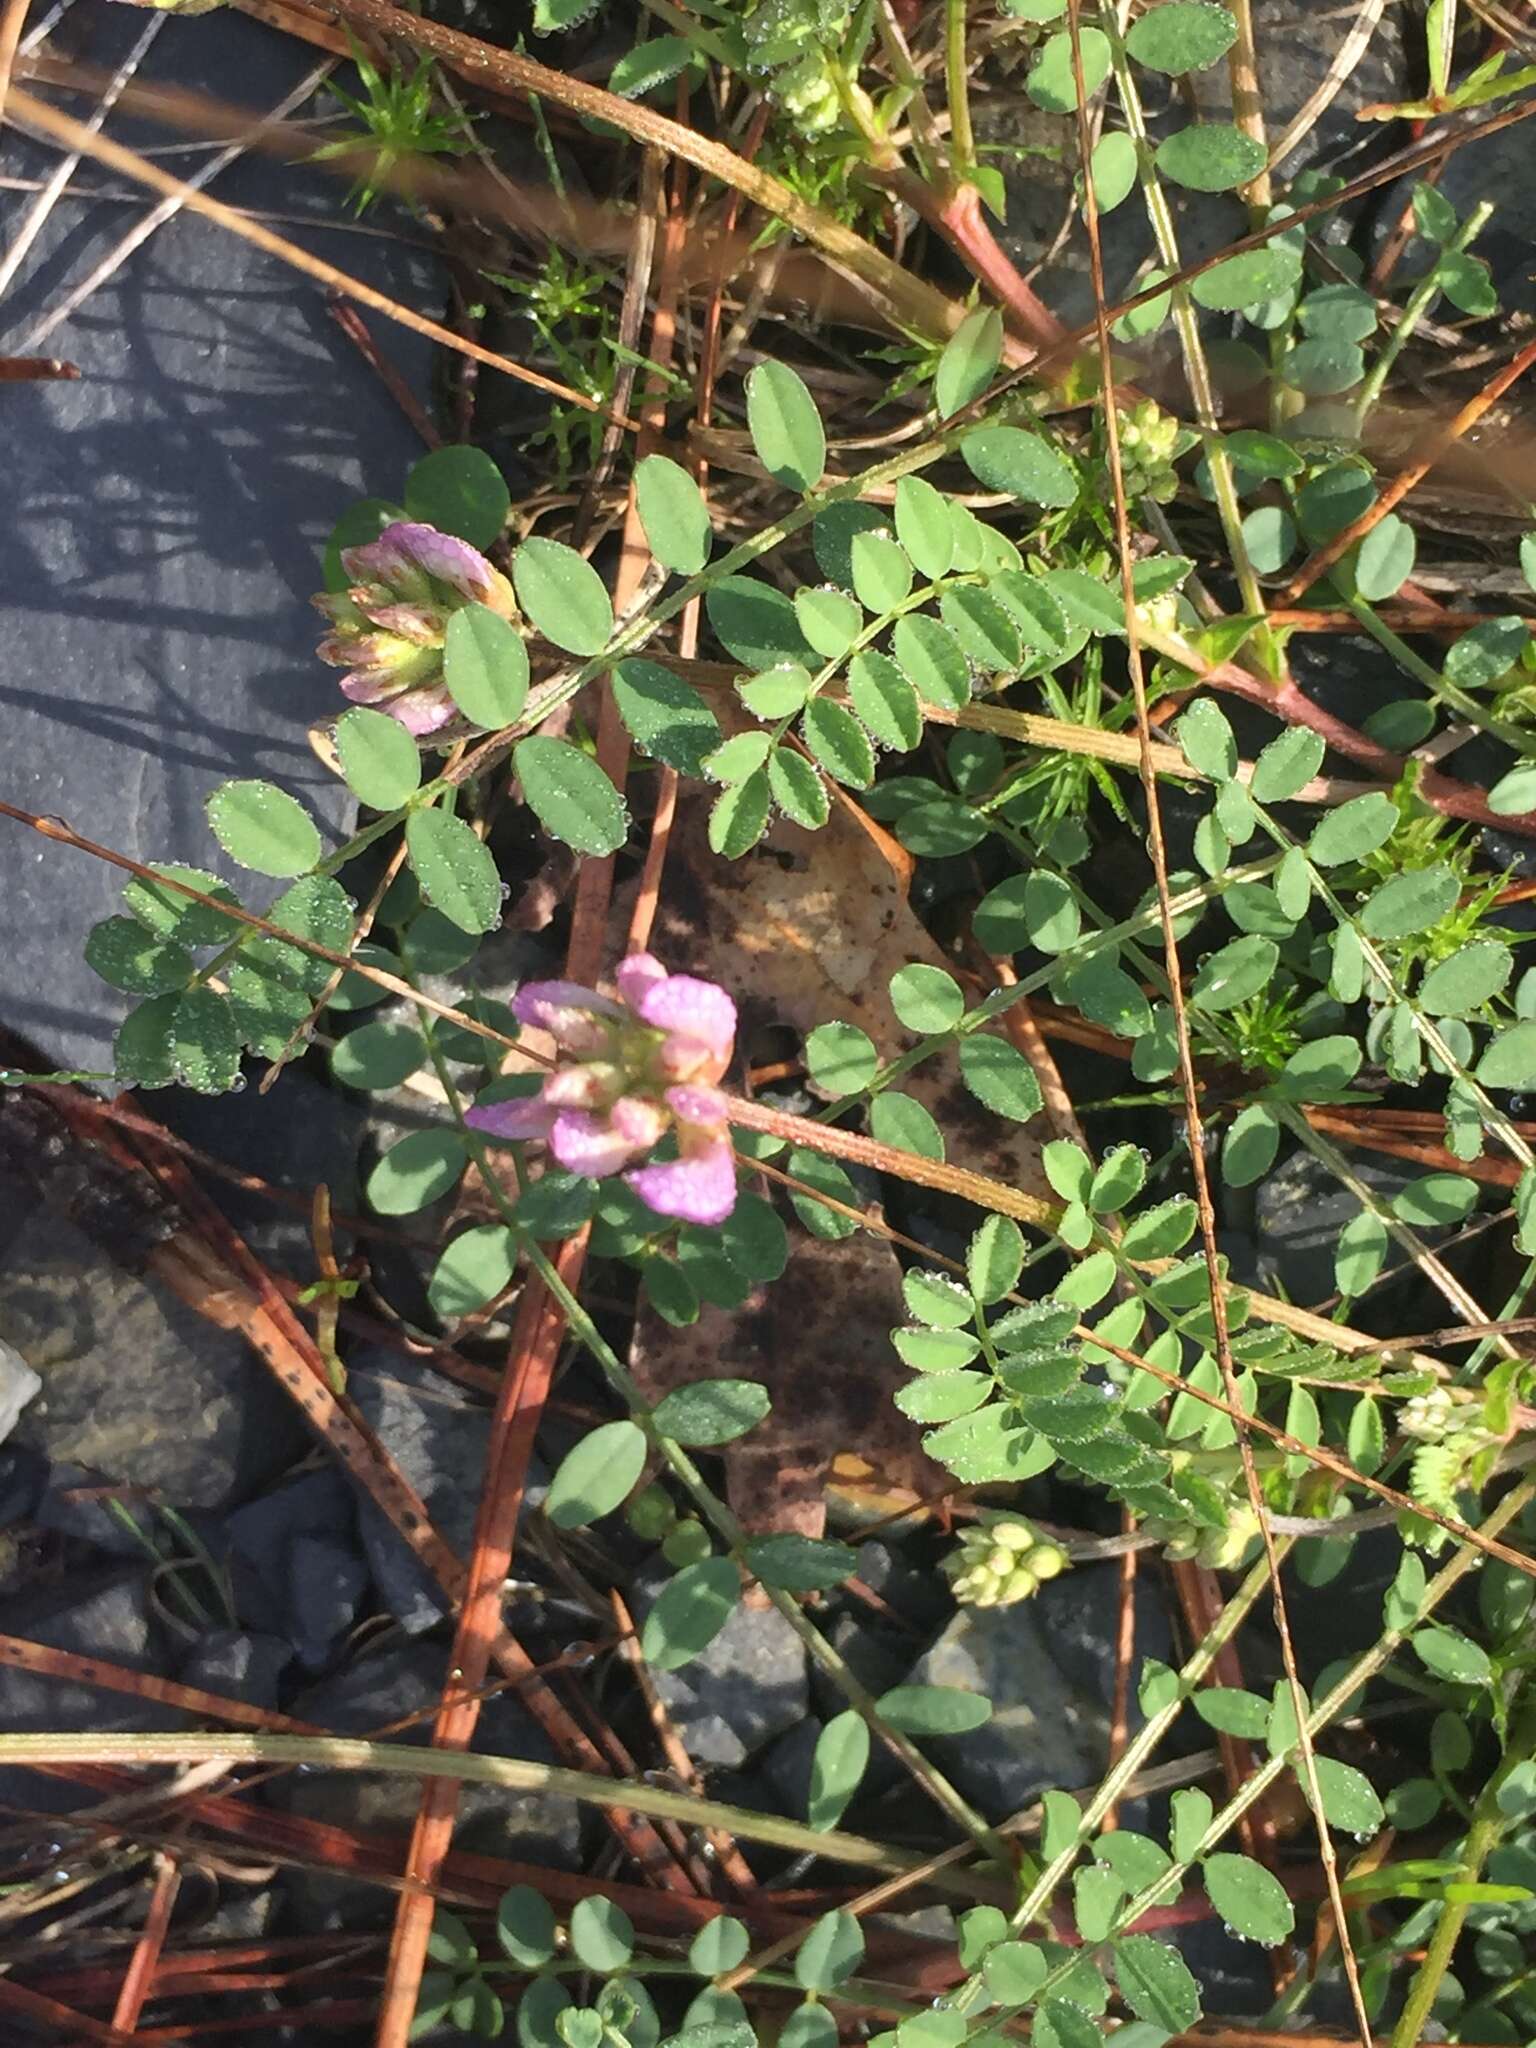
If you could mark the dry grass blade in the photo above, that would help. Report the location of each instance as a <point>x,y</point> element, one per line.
<point>146,1954</point>
<point>75,135</point>
<point>1345,58</point>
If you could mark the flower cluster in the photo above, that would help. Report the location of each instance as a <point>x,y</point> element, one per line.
<point>629,1072</point>
<point>1000,1560</point>
<point>391,621</point>
<point>1150,443</point>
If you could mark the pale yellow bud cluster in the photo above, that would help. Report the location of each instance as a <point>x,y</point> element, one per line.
<point>1149,440</point>
<point>1429,1418</point>
<point>1002,1559</point>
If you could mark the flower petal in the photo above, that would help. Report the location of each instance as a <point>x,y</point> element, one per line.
<point>422,711</point>
<point>574,1016</point>
<point>700,1010</point>
<point>701,1189</point>
<point>589,1144</point>
<point>691,1104</point>
<point>525,1116</point>
<point>637,973</point>
<point>641,1122</point>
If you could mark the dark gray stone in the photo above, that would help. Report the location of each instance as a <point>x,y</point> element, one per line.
<point>165,514</point>
<point>375,1693</point>
<point>137,1387</point>
<point>23,1475</point>
<point>326,1582</point>
<point>239,1664</point>
<point>262,1535</point>
<point>439,1436</point>
<point>1299,1214</point>
<point>1048,1727</point>
<point>106,1615</point>
<point>747,1686</point>
<point>72,1505</point>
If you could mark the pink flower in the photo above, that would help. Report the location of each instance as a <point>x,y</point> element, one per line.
<point>391,621</point>
<point>629,1073</point>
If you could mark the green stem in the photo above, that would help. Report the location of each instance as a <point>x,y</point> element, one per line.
<point>1423,297</point>
<point>1488,1824</point>
<point>1448,693</point>
<point>962,143</point>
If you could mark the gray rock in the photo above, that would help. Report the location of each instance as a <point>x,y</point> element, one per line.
<point>165,513</point>
<point>261,1538</point>
<point>23,1475</point>
<point>439,1436</point>
<point>137,1387</point>
<point>1300,1212</point>
<point>326,1583</point>
<point>106,1615</point>
<point>375,1693</point>
<point>746,1687</point>
<point>239,1665</point>
<point>1048,1729</point>
<point>1297,45</point>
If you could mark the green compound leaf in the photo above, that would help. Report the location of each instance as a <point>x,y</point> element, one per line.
<point>838,742</point>
<point>995,1259</point>
<point>1353,830</point>
<point>884,701</point>
<point>797,789</point>
<point>1349,1799</point>
<point>711,1412</point>
<point>378,1055</point>
<point>570,795</point>
<point>143,1054</point>
<point>485,666</point>
<point>1013,1971</point>
<point>1410,903</point>
<point>418,1170</point>
<point>1451,1656</point>
<point>1510,1061</point>
<point>719,1945</point>
<point>754,622</point>
<point>673,514</point>
<point>984,629</point>
<point>525,1926</point>
<point>264,828</point>
<point>563,595</point>
<point>1154,1979</point>
<point>1180,36</point>
<point>665,717</point>
<point>931,659</point>
<point>596,1475</point>
<point>165,911</point>
<point>1385,559</point>
<point>123,953</point>
<point>690,1612</point>
<point>1213,157</point>
<point>934,1709</point>
<point>1234,973</point>
<point>882,574</point>
<point>473,1270</point>
<point>829,619</point>
<point>924,527</point>
<point>1024,465</point>
<point>649,65</point>
<point>380,762</point>
<point>1114,170</point>
<point>1208,740</point>
<point>785,426</point>
<point>936,1299</point>
<point>840,1059</point>
<point>739,817</point>
<point>831,1952</point>
<point>1052,84</point>
<point>837,1765</point>
<point>1247,280</point>
<point>1459,987</point>
<point>454,868</point>
<point>459,490</point>
<point>602,1934</point>
<point>999,1076</point>
<point>1159,1232</point>
<point>926,999</point>
<point>800,1564</point>
<point>205,1042</point>
<point>967,366</point>
<point>896,1119</point>
<point>1250,1899</point>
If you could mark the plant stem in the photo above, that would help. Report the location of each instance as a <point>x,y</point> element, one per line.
<point>1488,1823</point>
<point>962,144</point>
<point>1424,295</point>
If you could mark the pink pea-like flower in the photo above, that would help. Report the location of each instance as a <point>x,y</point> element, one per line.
<point>630,1072</point>
<point>391,621</point>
